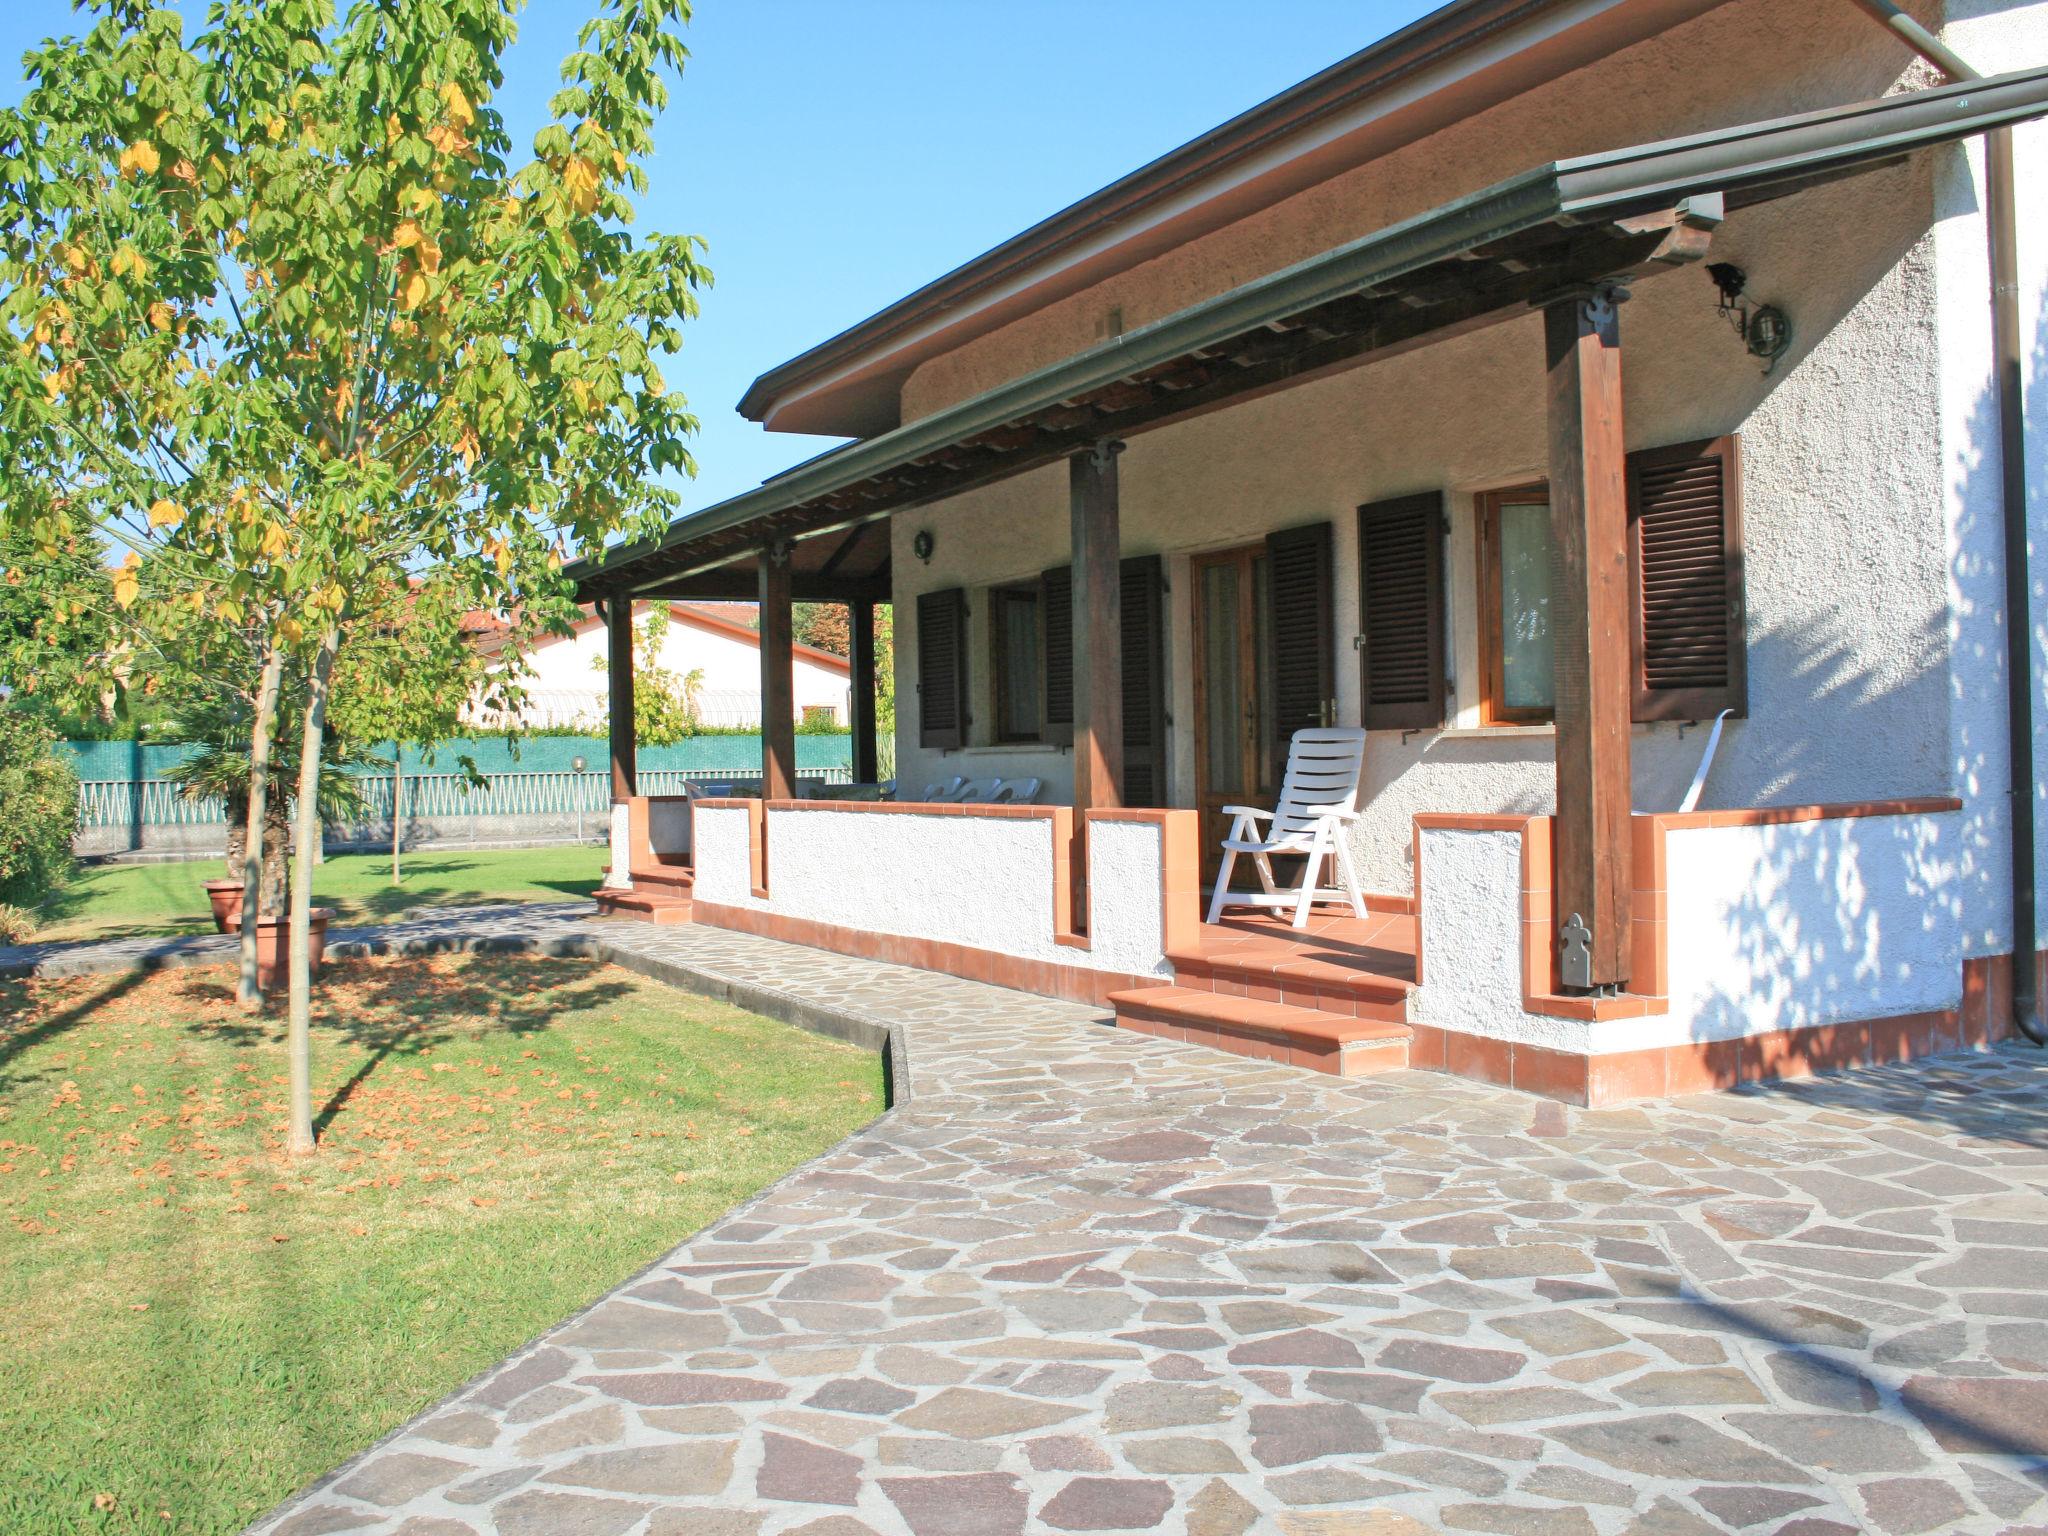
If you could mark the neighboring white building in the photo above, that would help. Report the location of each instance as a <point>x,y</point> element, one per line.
<point>566,675</point>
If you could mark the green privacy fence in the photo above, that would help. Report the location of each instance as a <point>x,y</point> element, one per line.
<point>122,784</point>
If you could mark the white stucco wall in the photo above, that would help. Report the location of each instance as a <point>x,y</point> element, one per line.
<point>567,675</point>
<point>1774,927</point>
<point>1470,938</point>
<point>981,881</point>
<point>1806,923</point>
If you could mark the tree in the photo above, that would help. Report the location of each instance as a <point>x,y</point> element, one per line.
<point>221,769</point>
<point>826,626</point>
<point>290,322</point>
<point>667,705</point>
<point>38,812</point>
<point>408,674</point>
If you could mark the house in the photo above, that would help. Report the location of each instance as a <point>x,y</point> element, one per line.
<point>565,674</point>
<point>1534,388</point>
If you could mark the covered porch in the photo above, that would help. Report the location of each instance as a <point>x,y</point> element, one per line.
<point>1096,897</point>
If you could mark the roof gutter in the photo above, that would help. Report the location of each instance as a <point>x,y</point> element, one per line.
<point>2000,218</point>
<point>1748,159</point>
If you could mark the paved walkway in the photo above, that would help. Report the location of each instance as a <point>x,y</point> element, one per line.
<point>1088,1280</point>
<point>507,925</point>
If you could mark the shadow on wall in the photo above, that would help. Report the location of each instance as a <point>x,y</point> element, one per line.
<point>1845,920</point>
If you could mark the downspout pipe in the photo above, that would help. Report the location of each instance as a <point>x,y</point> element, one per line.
<point>2002,221</point>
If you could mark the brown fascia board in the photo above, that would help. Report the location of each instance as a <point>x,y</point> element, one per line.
<point>1460,59</point>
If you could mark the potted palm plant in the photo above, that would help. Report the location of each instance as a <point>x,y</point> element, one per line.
<point>220,768</point>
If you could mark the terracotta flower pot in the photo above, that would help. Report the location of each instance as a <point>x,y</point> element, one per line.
<point>226,896</point>
<point>274,943</point>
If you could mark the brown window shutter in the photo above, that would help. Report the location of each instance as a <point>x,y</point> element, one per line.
<point>1401,601</point>
<point>1056,654</point>
<point>1685,580</point>
<point>942,668</point>
<point>1144,689</point>
<point>1303,634</point>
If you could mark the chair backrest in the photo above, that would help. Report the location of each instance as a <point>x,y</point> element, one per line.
<point>1323,769</point>
<point>1017,791</point>
<point>698,791</point>
<point>977,792</point>
<point>945,789</point>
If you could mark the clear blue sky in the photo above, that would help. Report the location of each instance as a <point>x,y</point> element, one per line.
<point>837,154</point>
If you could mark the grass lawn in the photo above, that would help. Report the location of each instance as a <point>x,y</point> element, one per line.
<point>195,1325</point>
<point>111,901</point>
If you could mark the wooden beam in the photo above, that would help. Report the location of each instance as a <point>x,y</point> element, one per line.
<point>1589,607</point>
<point>1098,629</point>
<point>778,677</point>
<point>860,624</point>
<point>618,622</point>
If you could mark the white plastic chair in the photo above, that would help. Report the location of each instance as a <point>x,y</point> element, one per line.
<point>1318,797</point>
<point>975,792</point>
<point>1016,791</point>
<point>946,789</point>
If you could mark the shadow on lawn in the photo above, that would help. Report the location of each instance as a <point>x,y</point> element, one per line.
<point>399,1009</point>
<point>21,1030</point>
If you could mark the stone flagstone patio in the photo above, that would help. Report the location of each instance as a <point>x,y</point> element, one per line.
<point>1089,1280</point>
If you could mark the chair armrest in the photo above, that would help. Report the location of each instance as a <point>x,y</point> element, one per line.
<point>1247,810</point>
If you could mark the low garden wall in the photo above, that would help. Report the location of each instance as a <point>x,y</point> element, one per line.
<point>1765,943</point>
<point>980,891</point>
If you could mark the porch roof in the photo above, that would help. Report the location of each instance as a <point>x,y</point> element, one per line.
<point>1470,262</point>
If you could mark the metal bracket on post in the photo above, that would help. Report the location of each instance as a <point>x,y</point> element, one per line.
<point>1575,953</point>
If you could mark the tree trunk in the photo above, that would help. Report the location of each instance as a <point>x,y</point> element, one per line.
<point>277,844</point>
<point>253,831</point>
<point>397,804</point>
<point>238,832</point>
<point>299,1029</point>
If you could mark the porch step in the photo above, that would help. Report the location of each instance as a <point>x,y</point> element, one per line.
<point>1304,981</point>
<point>665,877</point>
<point>644,904</point>
<point>1342,1044</point>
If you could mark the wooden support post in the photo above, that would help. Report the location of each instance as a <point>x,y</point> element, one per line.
<point>860,625</point>
<point>1098,630</point>
<point>618,624</point>
<point>1589,608</point>
<point>778,678</point>
<point>1098,650</point>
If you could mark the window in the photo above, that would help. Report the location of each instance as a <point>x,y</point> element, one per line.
<point>1686,615</point>
<point>1014,638</point>
<point>1517,648</point>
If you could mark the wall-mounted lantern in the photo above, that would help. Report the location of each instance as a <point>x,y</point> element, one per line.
<point>1766,331</point>
<point>923,545</point>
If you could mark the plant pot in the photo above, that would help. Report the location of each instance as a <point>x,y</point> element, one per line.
<point>274,943</point>
<point>226,896</point>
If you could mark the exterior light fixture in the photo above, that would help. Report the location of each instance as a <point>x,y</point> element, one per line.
<point>923,545</point>
<point>1765,330</point>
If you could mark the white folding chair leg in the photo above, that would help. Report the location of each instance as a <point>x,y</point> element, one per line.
<point>1348,873</point>
<point>1222,893</point>
<point>1264,864</point>
<point>1309,872</point>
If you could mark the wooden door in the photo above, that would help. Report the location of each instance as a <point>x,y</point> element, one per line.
<point>1234,731</point>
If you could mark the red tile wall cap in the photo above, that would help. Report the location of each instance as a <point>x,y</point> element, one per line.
<point>1775,815</point>
<point>1459,821</point>
<point>918,808</point>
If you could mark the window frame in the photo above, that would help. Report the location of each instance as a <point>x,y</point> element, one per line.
<point>999,663</point>
<point>1486,510</point>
